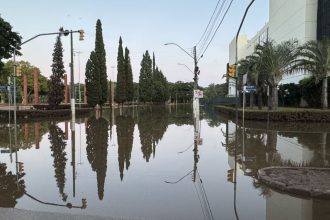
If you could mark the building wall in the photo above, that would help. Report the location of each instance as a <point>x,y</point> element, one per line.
<point>294,19</point>
<point>288,19</point>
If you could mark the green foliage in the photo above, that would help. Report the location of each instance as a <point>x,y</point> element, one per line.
<point>97,149</point>
<point>120,95</point>
<point>312,91</point>
<point>8,41</point>
<point>160,87</point>
<point>57,146</point>
<point>96,72</point>
<point>56,85</point>
<point>289,95</point>
<point>181,92</point>
<point>146,79</point>
<point>215,90</point>
<point>91,81</point>
<point>274,61</point>
<point>12,187</point>
<point>314,57</point>
<point>128,76</point>
<point>26,69</point>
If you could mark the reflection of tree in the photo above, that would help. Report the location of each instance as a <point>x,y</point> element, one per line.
<point>97,149</point>
<point>152,125</point>
<point>56,139</point>
<point>10,189</point>
<point>125,130</point>
<point>26,136</point>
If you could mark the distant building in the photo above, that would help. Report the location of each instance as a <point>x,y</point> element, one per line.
<point>303,20</point>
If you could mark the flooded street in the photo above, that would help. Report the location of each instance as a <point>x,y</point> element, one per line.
<point>144,162</point>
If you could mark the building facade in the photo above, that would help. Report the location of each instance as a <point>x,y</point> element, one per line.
<point>303,20</point>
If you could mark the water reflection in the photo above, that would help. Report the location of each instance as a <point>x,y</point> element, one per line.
<point>125,130</point>
<point>97,149</point>
<point>165,138</point>
<point>12,187</point>
<point>57,145</point>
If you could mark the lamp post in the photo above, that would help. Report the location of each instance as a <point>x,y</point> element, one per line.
<point>195,106</point>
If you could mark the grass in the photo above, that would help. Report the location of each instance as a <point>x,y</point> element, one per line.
<point>279,109</point>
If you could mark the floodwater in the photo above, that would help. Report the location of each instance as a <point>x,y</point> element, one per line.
<point>149,163</point>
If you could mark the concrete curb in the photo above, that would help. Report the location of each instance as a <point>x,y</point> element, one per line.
<point>306,182</point>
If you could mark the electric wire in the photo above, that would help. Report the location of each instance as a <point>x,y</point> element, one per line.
<point>216,30</point>
<point>214,24</point>
<point>216,7</point>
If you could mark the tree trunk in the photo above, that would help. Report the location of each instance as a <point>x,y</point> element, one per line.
<point>274,98</point>
<point>259,92</point>
<point>252,99</point>
<point>325,93</point>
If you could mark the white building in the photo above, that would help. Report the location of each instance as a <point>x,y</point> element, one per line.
<point>294,19</point>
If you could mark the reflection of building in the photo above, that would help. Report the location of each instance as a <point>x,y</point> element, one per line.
<point>281,206</point>
<point>295,19</point>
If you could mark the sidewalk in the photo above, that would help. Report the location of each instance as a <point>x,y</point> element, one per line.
<point>301,181</point>
<point>19,214</point>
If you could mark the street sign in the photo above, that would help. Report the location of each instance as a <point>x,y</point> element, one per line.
<point>6,88</point>
<point>250,88</point>
<point>198,94</point>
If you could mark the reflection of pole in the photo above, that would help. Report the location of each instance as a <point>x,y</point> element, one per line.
<point>73,162</point>
<point>68,205</point>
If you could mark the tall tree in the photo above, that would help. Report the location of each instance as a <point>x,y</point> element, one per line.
<point>56,85</point>
<point>153,63</point>
<point>101,64</point>
<point>8,41</point>
<point>91,81</point>
<point>97,72</point>
<point>275,60</point>
<point>315,58</point>
<point>160,87</point>
<point>120,96</point>
<point>128,76</point>
<point>145,79</point>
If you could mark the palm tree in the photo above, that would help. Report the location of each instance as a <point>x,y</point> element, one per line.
<point>314,57</point>
<point>275,61</point>
<point>251,65</point>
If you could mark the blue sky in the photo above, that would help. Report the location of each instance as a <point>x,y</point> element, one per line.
<point>143,25</point>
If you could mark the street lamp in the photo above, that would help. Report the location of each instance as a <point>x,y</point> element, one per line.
<point>194,57</point>
<point>182,64</point>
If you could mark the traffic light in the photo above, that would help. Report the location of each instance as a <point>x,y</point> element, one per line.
<point>20,167</point>
<point>81,35</point>
<point>231,176</point>
<point>232,70</point>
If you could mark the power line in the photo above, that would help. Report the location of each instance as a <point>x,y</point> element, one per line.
<point>209,23</point>
<point>216,29</point>
<point>214,23</point>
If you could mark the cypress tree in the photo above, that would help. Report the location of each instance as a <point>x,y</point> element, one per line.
<point>100,67</point>
<point>128,76</point>
<point>120,96</point>
<point>91,81</point>
<point>56,85</point>
<point>96,72</point>
<point>145,79</point>
<point>160,88</point>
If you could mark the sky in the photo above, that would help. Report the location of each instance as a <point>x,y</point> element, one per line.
<point>143,25</point>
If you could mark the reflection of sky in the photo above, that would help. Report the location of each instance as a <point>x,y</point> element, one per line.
<point>290,149</point>
<point>143,193</point>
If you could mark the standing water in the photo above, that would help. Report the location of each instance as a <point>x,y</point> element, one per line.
<point>147,163</point>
